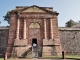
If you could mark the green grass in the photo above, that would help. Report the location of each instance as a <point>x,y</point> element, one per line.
<point>1,58</point>
<point>66,56</point>
<point>73,56</point>
<point>51,57</point>
<point>7,59</point>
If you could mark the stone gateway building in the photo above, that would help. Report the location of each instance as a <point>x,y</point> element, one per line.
<point>33,29</point>
<point>34,32</point>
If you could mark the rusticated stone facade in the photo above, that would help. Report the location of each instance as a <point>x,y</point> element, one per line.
<point>34,24</point>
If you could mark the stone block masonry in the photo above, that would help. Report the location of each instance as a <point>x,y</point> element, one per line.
<point>4,32</point>
<point>70,39</point>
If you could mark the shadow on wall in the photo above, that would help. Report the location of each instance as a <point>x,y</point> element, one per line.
<point>27,53</point>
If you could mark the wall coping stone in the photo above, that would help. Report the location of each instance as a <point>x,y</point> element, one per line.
<point>4,27</point>
<point>68,28</point>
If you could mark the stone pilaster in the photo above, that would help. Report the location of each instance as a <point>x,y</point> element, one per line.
<point>17,32</point>
<point>24,32</point>
<point>51,26</point>
<point>45,30</point>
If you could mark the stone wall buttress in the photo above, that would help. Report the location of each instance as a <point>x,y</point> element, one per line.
<point>12,32</point>
<point>56,35</point>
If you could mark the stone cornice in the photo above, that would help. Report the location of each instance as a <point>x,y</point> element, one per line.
<point>42,8</point>
<point>35,16</point>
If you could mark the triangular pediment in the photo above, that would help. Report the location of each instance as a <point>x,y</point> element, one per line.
<point>33,9</point>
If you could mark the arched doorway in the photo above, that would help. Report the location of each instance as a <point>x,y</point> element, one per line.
<point>34,38</point>
<point>34,33</point>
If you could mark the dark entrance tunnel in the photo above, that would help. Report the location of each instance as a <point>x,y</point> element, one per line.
<point>34,41</point>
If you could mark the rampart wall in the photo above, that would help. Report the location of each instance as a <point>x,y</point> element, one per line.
<point>70,39</point>
<point>4,32</point>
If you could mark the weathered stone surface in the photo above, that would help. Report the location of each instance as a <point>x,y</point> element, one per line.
<point>4,32</point>
<point>48,42</point>
<point>20,51</point>
<point>48,50</point>
<point>70,40</point>
<point>20,42</point>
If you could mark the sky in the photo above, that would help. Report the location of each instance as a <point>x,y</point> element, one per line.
<point>67,9</point>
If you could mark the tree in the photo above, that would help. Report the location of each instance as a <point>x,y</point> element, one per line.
<point>7,17</point>
<point>70,23</point>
